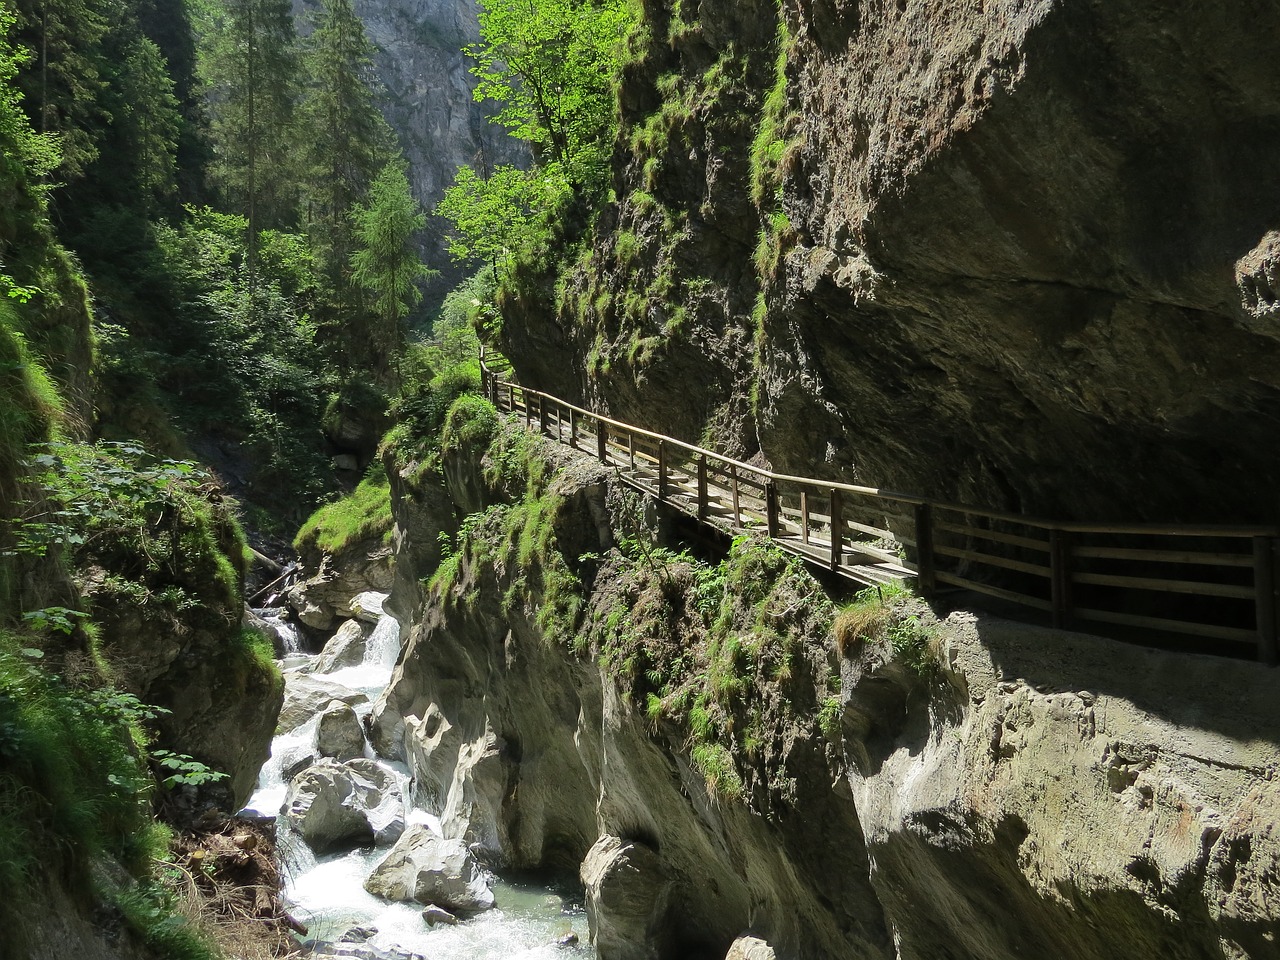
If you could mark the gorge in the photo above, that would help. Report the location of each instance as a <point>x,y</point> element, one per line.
<point>1015,254</point>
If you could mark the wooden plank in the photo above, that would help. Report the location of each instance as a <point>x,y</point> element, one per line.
<point>1023,599</point>
<point>1173,626</point>
<point>998,536</point>
<point>1165,556</point>
<point>1192,587</point>
<point>1039,570</point>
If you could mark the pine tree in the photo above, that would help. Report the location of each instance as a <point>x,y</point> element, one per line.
<point>248,69</point>
<point>387,263</point>
<point>345,143</point>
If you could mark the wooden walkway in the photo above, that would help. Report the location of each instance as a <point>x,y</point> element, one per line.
<point>1217,583</point>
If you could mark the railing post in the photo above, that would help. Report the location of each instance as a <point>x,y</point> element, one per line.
<point>837,528</point>
<point>662,470</point>
<point>511,396</point>
<point>528,410</point>
<point>559,423</point>
<point>573,429</point>
<point>1264,585</point>
<point>1060,576</point>
<point>926,581</point>
<point>602,440</point>
<point>733,483</point>
<point>631,448</point>
<point>542,414</point>
<point>804,517</point>
<point>771,508</point>
<point>702,486</point>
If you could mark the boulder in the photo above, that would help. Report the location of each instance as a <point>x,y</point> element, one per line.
<point>627,891</point>
<point>331,805</point>
<point>425,867</point>
<point>323,600</point>
<point>305,696</point>
<point>434,915</point>
<point>344,649</point>
<point>367,606</point>
<point>338,732</point>
<point>750,948</point>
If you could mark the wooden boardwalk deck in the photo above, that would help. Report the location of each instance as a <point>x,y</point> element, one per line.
<point>1212,582</point>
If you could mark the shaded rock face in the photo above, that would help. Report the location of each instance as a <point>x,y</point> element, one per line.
<point>1108,799</point>
<point>626,890</point>
<point>426,867</point>
<point>1028,261</point>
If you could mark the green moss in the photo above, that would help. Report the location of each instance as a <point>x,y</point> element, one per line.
<point>365,514</point>
<point>472,422</point>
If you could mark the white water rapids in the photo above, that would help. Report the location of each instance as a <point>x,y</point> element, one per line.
<point>327,893</point>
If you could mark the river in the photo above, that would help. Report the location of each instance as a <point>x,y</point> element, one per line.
<point>530,921</point>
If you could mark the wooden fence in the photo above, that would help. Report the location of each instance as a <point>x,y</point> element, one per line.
<point>1212,582</point>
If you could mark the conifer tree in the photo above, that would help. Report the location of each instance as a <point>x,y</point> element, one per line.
<point>345,143</point>
<point>248,68</point>
<point>387,263</point>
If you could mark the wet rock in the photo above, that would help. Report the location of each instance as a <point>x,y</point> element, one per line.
<point>433,915</point>
<point>568,940</point>
<point>425,867</point>
<point>358,934</point>
<point>750,948</point>
<point>626,887</point>
<point>332,805</point>
<point>305,696</point>
<point>339,733</point>
<point>367,606</point>
<point>344,649</point>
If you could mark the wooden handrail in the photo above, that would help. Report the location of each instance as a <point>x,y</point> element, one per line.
<point>752,494</point>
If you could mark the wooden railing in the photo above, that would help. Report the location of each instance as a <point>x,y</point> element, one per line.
<point>1211,582</point>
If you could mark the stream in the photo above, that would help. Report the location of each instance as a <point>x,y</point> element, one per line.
<point>326,893</point>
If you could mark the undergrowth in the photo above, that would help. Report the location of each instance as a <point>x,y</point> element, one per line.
<point>364,514</point>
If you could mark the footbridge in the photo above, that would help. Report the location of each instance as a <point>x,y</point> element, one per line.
<point>1211,582</point>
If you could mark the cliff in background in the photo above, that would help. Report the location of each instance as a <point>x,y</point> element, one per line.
<point>427,101</point>
<point>1021,254</point>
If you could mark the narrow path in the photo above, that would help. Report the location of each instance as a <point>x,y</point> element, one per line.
<point>1211,582</point>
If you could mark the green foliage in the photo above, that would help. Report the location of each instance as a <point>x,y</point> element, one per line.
<point>149,520</point>
<point>248,70</point>
<point>710,647</point>
<point>472,422</point>
<point>151,911</point>
<point>364,514</point>
<point>498,216</point>
<point>770,145</point>
<point>552,66</point>
<point>186,771</point>
<point>73,785</point>
<point>386,262</point>
<point>877,615</point>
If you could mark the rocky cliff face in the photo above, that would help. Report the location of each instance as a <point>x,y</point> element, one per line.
<point>1013,253</point>
<point>427,97</point>
<point>699,744</point>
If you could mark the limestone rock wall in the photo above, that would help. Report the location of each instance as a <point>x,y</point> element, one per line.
<point>1033,793</point>
<point>1022,253</point>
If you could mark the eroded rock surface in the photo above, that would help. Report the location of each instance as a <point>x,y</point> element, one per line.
<point>333,805</point>
<point>426,867</point>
